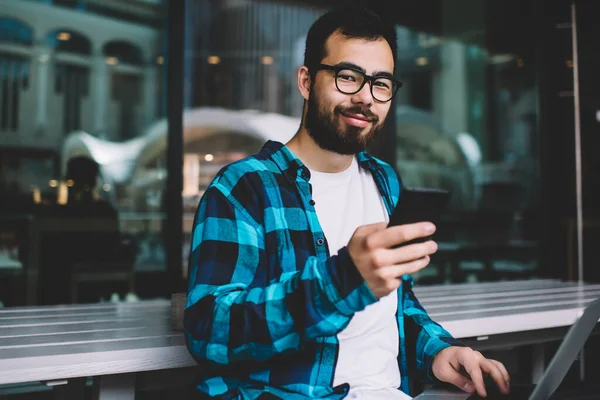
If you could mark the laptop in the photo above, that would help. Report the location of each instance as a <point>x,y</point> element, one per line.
<point>560,364</point>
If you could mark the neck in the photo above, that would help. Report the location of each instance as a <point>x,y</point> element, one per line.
<point>314,157</point>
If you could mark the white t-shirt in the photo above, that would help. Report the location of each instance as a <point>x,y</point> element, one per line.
<point>368,350</point>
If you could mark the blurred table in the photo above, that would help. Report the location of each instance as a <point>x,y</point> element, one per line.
<point>132,345</point>
<point>43,227</point>
<point>30,230</point>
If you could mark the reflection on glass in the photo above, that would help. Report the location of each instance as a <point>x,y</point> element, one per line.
<point>467,123</point>
<point>465,119</point>
<point>81,177</point>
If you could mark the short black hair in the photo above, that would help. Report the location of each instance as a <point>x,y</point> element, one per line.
<point>353,21</point>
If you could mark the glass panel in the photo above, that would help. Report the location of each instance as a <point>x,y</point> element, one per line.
<point>589,116</point>
<point>240,88</point>
<point>465,119</point>
<point>81,176</point>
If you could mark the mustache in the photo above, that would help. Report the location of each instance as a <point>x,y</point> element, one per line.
<point>364,111</point>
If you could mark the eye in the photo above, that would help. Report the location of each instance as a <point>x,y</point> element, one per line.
<point>383,84</point>
<point>346,77</point>
<point>349,76</point>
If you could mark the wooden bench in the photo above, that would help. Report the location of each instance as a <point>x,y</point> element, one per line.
<point>140,346</point>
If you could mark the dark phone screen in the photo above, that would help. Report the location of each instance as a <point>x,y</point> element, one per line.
<point>419,205</point>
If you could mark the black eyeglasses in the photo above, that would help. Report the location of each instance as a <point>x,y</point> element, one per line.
<point>350,80</point>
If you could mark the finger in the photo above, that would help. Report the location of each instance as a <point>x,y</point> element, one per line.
<point>503,370</point>
<point>454,377</point>
<point>399,234</point>
<point>396,271</point>
<point>412,252</point>
<point>473,368</point>
<point>493,370</point>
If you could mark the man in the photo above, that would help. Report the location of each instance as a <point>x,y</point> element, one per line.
<point>295,289</point>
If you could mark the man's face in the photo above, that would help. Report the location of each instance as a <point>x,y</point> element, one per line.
<point>347,123</point>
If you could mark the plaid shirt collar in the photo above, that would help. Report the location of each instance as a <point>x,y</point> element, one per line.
<point>292,167</point>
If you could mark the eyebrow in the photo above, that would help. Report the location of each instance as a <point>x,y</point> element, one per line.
<point>384,74</point>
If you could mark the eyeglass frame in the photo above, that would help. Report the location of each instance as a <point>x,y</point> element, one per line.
<point>366,78</point>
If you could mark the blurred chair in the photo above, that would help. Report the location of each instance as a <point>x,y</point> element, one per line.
<point>74,251</point>
<point>81,242</point>
<point>117,267</point>
<point>505,197</point>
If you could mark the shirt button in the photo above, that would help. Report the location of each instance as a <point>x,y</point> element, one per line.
<point>312,202</point>
<point>320,242</point>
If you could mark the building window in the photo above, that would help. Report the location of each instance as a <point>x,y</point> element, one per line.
<point>14,71</point>
<point>14,77</point>
<point>68,41</point>
<point>14,31</point>
<point>127,80</point>
<point>72,83</point>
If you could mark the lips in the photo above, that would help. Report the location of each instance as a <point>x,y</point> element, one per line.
<point>357,120</point>
<point>361,117</point>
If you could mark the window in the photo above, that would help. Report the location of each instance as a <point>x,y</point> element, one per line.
<point>465,119</point>
<point>14,71</point>
<point>79,113</point>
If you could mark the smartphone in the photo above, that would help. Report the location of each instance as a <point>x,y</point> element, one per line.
<point>419,205</point>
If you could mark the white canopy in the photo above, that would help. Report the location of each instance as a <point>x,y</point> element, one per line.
<point>119,160</point>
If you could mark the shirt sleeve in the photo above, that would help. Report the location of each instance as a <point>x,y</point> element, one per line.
<point>232,314</point>
<point>424,337</point>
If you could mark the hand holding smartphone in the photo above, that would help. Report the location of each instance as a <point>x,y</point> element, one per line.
<point>419,205</point>
<point>369,247</point>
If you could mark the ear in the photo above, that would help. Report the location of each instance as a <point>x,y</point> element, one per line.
<point>304,81</point>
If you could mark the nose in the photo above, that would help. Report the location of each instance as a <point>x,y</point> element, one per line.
<point>363,96</point>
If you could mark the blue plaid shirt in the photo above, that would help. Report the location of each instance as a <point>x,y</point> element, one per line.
<point>266,301</point>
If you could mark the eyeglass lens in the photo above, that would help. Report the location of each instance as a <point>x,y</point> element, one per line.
<point>350,82</point>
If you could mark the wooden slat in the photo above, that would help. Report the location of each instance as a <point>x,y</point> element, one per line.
<point>148,342</point>
<point>83,337</point>
<point>80,319</point>
<point>498,322</point>
<point>72,328</point>
<point>137,356</point>
<point>532,299</point>
<point>146,304</point>
<point>485,285</point>
<point>506,293</point>
<point>498,288</point>
<point>512,309</point>
<point>101,314</point>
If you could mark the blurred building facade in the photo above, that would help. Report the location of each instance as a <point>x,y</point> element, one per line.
<point>76,65</point>
<point>70,68</point>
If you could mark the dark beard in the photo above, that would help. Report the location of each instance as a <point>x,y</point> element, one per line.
<point>328,134</point>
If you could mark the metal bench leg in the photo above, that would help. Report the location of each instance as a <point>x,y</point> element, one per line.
<point>115,387</point>
<point>538,363</point>
<point>582,365</point>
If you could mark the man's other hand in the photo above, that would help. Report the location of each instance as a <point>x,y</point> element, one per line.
<point>464,368</point>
